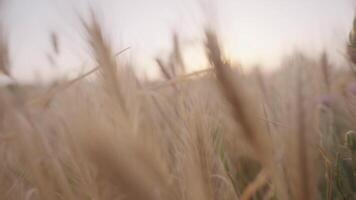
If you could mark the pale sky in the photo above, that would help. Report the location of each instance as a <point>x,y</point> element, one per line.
<point>252,31</point>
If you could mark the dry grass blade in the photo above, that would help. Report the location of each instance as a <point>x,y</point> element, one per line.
<point>243,112</point>
<point>177,53</point>
<point>106,60</point>
<point>163,69</point>
<point>260,181</point>
<point>324,62</point>
<point>179,79</point>
<point>302,147</point>
<point>4,54</point>
<point>55,42</point>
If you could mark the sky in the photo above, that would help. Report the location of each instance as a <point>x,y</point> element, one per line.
<point>251,31</point>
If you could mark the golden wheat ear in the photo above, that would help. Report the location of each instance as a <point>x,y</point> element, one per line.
<point>4,54</point>
<point>351,45</point>
<point>244,113</point>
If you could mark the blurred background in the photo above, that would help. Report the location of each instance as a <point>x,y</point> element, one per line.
<point>253,32</point>
<point>178,99</point>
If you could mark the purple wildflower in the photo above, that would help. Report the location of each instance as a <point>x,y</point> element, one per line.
<point>326,100</point>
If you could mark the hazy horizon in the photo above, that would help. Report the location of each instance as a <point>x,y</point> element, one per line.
<point>251,31</point>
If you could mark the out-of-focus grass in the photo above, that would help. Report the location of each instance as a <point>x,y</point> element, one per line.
<point>214,134</point>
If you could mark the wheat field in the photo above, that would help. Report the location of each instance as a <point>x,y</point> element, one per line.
<point>220,133</point>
